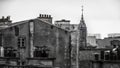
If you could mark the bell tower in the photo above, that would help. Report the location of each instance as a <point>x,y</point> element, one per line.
<point>82,32</point>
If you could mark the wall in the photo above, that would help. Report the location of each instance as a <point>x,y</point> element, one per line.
<point>56,39</point>
<point>10,38</point>
<point>102,43</point>
<point>106,64</point>
<point>88,54</point>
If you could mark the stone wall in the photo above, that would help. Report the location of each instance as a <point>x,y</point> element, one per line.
<point>10,38</point>
<point>55,38</point>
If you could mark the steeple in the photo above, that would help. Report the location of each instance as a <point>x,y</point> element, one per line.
<point>82,22</point>
<point>82,32</point>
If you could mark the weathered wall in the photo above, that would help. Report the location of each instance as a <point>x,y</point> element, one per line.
<point>88,54</point>
<point>55,38</point>
<point>99,64</point>
<point>45,34</point>
<point>106,42</point>
<point>10,38</point>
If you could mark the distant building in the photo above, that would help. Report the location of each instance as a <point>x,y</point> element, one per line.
<point>94,52</point>
<point>91,41</point>
<point>98,36</point>
<point>107,42</point>
<point>35,43</point>
<point>114,35</point>
<point>65,24</point>
<point>77,31</point>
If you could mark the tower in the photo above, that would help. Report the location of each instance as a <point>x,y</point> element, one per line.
<point>82,32</point>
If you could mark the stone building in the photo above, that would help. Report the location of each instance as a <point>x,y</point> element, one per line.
<point>35,43</point>
<point>65,24</point>
<point>114,35</point>
<point>91,41</point>
<point>107,42</point>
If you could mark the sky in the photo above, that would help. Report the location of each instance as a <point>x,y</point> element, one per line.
<point>101,16</point>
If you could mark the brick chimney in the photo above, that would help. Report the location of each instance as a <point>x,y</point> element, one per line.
<point>5,21</point>
<point>45,17</point>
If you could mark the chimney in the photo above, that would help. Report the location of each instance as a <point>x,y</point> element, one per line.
<point>5,21</point>
<point>3,17</point>
<point>8,18</point>
<point>46,18</point>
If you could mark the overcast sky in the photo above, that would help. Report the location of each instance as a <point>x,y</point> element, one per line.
<point>101,16</point>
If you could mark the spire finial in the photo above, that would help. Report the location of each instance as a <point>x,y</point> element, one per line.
<point>82,9</point>
<point>82,12</point>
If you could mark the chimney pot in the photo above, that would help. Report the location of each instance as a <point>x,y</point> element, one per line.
<point>45,15</point>
<point>3,17</point>
<point>8,18</point>
<point>40,15</point>
<point>50,16</point>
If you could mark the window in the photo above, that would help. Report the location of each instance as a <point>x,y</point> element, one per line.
<point>0,39</point>
<point>16,30</point>
<point>21,42</point>
<point>9,52</point>
<point>96,56</point>
<point>52,26</point>
<point>41,51</point>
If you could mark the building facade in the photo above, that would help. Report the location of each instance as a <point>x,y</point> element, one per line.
<point>114,35</point>
<point>91,41</point>
<point>35,43</point>
<point>107,42</point>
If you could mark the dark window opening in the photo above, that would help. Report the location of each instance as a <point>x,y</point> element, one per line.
<point>52,27</point>
<point>16,31</point>
<point>41,51</point>
<point>96,56</point>
<point>65,32</point>
<point>9,52</point>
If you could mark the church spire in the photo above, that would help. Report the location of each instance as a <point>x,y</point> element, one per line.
<point>82,22</point>
<point>82,32</point>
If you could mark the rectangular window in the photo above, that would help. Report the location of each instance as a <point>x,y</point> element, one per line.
<point>41,51</point>
<point>9,52</point>
<point>21,42</point>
